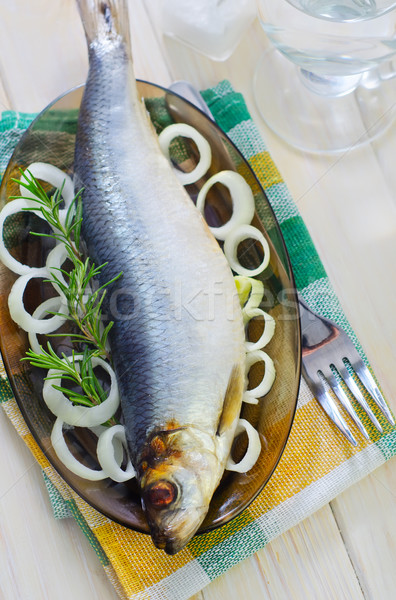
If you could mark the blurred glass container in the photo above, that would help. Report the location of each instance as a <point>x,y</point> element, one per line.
<point>329,84</point>
<point>212,27</point>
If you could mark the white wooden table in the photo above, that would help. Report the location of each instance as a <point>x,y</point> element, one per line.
<point>348,549</point>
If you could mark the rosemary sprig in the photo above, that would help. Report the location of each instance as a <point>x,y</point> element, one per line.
<point>68,233</point>
<point>84,303</point>
<point>81,376</point>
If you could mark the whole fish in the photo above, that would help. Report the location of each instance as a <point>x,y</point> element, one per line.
<point>178,339</point>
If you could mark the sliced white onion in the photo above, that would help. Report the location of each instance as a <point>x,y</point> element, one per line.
<point>251,396</point>
<point>231,243</point>
<point>50,305</point>
<point>55,260</point>
<point>56,177</point>
<point>252,452</point>
<point>107,454</point>
<point>18,312</point>
<point>11,208</point>
<point>81,416</point>
<point>64,454</point>
<point>250,291</point>
<point>205,154</point>
<point>242,201</point>
<point>269,327</point>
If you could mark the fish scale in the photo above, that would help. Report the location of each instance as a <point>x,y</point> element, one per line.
<point>177,341</point>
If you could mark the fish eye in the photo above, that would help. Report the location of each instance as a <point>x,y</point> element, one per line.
<point>161,494</point>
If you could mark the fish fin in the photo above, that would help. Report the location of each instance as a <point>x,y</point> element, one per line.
<point>103,19</point>
<point>232,399</point>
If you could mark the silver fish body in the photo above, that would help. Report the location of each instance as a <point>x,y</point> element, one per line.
<point>178,340</point>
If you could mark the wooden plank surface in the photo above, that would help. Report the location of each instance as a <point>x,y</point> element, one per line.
<point>365,515</point>
<point>295,565</point>
<point>308,551</point>
<point>346,550</point>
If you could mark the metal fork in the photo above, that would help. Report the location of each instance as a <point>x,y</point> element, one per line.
<point>327,352</point>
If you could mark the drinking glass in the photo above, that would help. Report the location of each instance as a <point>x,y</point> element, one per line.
<point>328,83</point>
<point>345,10</point>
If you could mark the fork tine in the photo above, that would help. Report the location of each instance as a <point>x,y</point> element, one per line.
<point>343,371</point>
<point>324,345</point>
<point>331,409</point>
<point>368,381</point>
<point>346,403</point>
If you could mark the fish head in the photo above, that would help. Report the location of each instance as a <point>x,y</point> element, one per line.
<point>178,474</point>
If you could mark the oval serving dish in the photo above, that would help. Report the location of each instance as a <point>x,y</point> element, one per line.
<point>51,138</point>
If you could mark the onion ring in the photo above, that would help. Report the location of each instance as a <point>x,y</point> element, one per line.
<point>64,455</point>
<point>55,260</point>
<point>52,304</point>
<point>242,201</point>
<point>251,396</point>
<point>182,129</point>
<point>81,416</point>
<point>250,291</point>
<point>12,208</point>
<point>56,177</point>
<point>252,452</point>
<point>231,243</point>
<point>107,454</point>
<point>20,315</point>
<point>269,327</point>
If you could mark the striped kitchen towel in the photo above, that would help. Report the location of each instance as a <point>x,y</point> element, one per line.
<point>317,463</point>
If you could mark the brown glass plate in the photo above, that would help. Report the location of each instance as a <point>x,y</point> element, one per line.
<point>50,138</point>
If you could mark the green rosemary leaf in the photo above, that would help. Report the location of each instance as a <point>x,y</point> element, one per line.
<point>74,396</point>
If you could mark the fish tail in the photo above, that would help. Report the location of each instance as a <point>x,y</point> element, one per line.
<point>104,19</point>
